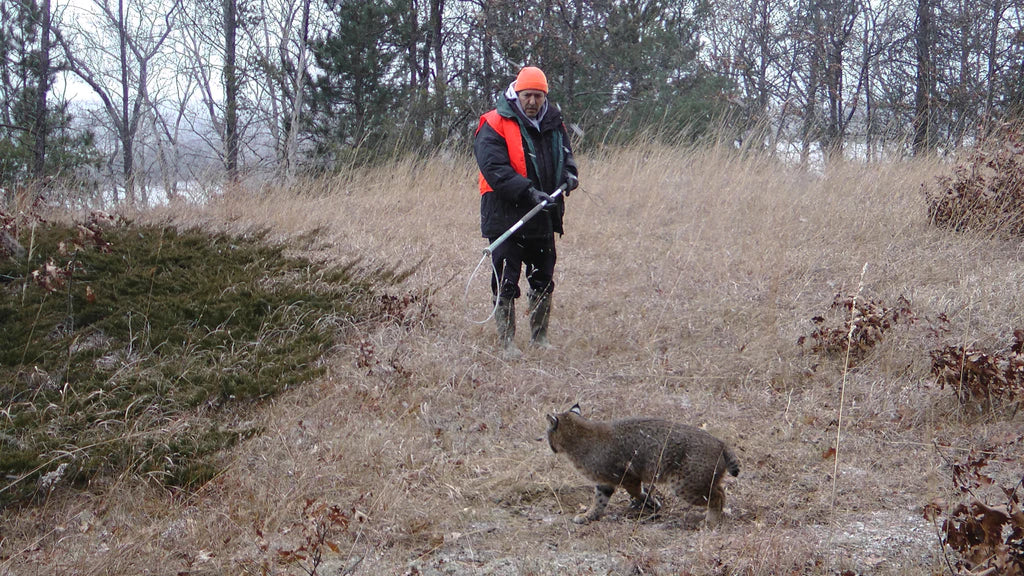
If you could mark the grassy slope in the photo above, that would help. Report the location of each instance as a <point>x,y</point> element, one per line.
<point>684,282</point>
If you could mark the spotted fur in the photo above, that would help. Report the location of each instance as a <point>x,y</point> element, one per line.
<point>638,453</point>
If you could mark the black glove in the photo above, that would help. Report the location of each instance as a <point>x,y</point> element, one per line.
<point>571,182</point>
<point>536,196</point>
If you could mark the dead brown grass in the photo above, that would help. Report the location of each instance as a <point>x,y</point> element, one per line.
<point>684,282</point>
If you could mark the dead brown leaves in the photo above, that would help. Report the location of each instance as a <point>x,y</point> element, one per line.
<point>323,529</point>
<point>9,245</point>
<point>985,192</point>
<point>53,277</point>
<point>977,375</point>
<point>857,326</point>
<point>988,539</point>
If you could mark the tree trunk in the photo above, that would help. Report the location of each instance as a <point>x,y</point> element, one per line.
<point>230,92</point>
<point>39,151</point>
<point>438,134</point>
<point>487,48</point>
<point>127,147</point>
<point>993,56</point>
<point>925,85</point>
<point>810,124</point>
<point>299,84</point>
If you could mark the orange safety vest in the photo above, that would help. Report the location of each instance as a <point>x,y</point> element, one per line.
<point>509,130</point>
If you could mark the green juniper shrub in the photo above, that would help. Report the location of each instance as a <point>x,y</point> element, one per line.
<point>113,336</point>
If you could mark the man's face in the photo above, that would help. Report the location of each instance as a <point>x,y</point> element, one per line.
<point>532,101</point>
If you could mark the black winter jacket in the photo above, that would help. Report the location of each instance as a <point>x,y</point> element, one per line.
<point>552,159</point>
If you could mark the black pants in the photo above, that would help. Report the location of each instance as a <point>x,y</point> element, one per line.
<point>538,254</point>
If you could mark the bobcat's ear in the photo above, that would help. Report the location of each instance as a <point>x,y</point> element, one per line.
<point>576,409</point>
<point>552,422</point>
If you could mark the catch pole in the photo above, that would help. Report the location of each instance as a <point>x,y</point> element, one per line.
<point>533,212</point>
<point>490,249</point>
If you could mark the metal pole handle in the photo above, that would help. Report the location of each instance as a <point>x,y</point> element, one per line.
<point>533,212</point>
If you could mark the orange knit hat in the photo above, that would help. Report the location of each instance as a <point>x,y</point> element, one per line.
<point>531,78</point>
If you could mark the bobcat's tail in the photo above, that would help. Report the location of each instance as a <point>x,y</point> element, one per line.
<point>730,462</point>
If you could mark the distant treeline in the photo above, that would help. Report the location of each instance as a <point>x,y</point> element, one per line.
<point>183,90</point>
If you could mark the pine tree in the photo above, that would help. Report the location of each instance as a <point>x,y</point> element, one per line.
<point>355,96</point>
<point>37,139</point>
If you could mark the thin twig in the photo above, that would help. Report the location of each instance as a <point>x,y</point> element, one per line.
<point>842,396</point>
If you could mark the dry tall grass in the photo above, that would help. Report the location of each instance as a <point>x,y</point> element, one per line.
<point>685,279</point>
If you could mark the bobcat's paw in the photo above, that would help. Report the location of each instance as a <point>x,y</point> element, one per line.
<point>581,519</point>
<point>713,519</point>
<point>648,504</point>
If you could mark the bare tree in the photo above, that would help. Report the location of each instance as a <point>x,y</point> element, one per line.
<point>173,108</point>
<point>277,46</point>
<point>133,33</point>
<point>881,38</point>
<point>750,43</point>
<point>200,41</point>
<point>232,85</point>
<point>924,93</point>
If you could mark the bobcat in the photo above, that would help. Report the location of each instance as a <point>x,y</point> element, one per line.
<point>637,453</point>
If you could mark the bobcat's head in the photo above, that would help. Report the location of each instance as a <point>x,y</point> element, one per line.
<point>560,426</point>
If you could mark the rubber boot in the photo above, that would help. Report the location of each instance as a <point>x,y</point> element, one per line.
<point>505,318</point>
<point>540,312</point>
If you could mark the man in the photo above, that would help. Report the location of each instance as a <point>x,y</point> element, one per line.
<point>523,152</point>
